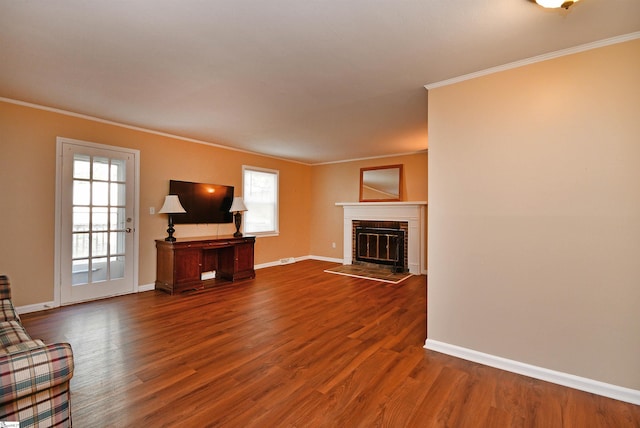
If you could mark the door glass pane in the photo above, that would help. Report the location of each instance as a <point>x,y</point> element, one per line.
<point>101,168</point>
<point>81,192</point>
<point>117,243</point>
<point>100,218</point>
<point>118,194</point>
<point>81,166</point>
<point>116,267</point>
<point>118,170</point>
<point>117,219</point>
<point>100,194</point>
<point>99,243</point>
<point>80,245</point>
<point>80,272</point>
<point>80,219</point>
<point>99,269</point>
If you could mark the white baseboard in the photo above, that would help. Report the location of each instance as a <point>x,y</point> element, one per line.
<point>584,384</point>
<point>326,259</point>
<point>297,259</point>
<point>36,307</point>
<point>146,287</point>
<point>276,263</point>
<point>266,265</point>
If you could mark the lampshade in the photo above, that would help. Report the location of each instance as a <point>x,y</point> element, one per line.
<point>237,205</point>
<point>556,3</point>
<point>172,205</point>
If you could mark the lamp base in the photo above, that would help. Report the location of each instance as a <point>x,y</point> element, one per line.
<point>237,218</point>
<point>170,231</point>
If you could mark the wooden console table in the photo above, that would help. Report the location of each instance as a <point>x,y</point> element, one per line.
<point>181,264</point>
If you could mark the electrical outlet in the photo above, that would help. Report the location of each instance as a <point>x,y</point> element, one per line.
<point>333,245</point>
<point>152,210</point>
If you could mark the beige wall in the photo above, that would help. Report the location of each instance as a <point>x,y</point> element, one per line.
<point>27,190</point>
<point>534,214</point>
<point>340,182</point>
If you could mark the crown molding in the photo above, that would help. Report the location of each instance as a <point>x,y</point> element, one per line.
<point>138,128</point>
<point>535,59</point>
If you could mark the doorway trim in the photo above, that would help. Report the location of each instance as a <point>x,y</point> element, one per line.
<point>57,280</point>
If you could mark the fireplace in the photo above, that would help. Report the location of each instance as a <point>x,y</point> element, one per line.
<point>411,214</point>
<point>382,243</point>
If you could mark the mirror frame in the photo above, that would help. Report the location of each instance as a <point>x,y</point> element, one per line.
<point>387,168</point>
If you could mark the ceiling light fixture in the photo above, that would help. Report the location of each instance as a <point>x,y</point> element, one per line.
<point>554,4</point>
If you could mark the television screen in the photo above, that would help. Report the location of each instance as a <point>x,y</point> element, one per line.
<point>204,203</point>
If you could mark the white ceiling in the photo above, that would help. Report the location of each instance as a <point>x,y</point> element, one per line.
<point>308,80</point>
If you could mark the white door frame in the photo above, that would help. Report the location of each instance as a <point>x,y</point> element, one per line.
<point>57,281</point>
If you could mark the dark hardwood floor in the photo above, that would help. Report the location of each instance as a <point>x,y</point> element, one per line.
<point>296,347</point>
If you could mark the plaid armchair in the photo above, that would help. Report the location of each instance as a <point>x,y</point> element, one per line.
<point>34,377</point>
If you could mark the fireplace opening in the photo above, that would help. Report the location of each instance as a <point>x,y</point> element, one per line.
<point>381,243</point>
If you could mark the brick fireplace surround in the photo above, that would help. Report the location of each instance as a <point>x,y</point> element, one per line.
<point>414,213</point>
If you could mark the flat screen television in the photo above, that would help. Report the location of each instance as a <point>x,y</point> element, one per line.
<point>204,203</point>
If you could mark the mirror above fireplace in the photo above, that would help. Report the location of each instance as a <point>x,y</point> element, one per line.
<point>381,183</point>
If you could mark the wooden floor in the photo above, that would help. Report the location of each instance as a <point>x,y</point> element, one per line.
<point>296,347</point>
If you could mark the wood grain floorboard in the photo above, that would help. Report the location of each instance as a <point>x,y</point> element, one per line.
<point>296,347</point>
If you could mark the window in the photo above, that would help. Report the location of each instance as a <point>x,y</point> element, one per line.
<point>260,193</point>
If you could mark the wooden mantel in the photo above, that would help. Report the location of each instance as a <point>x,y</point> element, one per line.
<point>412,212</point>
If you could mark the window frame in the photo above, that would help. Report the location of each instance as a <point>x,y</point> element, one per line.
<point>276,173</point>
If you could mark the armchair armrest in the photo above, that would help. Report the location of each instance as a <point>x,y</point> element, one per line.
<point>5,287</point>
<point>7,311</point>
<point>27,371</point>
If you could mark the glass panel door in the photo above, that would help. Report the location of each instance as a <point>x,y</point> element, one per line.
<point>97,223</point>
